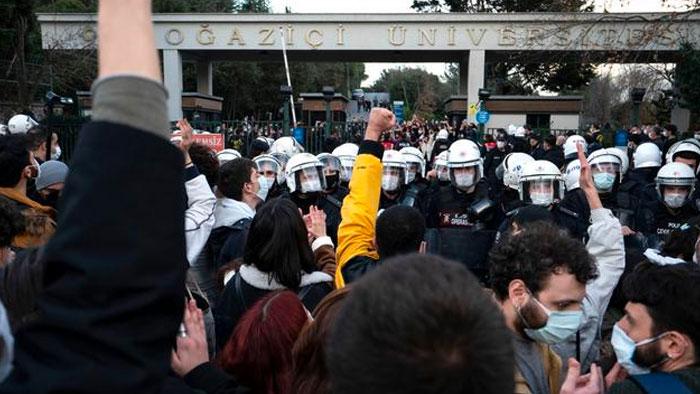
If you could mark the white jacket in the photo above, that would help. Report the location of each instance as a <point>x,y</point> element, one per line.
<point>199,216</point>
<point>607,246</point>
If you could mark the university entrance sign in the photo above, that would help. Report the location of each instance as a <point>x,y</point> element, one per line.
<point>470,39</point>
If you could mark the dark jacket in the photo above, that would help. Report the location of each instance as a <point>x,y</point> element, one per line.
<point>690,377</point>
<point>114,280</point>
<point>250,284</point>
<point>555,155</point>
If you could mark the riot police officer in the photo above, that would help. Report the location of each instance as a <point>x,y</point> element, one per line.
<point>346,153</point>
<point>270,171</point>
<point>461,213</point>
<point>509,173</point>
<point>306,183</point>
<point>675,184</point>
<point>393,178</point>
<point>333,194</point>
<point>416,183</point>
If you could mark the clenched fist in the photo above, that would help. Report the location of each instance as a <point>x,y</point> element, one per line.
<point>380,120</point>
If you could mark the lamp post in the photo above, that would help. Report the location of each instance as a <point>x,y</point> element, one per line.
<point>328,94</point>
<point>637,95</point>
<point>286,92</point>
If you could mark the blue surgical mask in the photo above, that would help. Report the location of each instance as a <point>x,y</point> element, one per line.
<point>604,181</point>
<point>560,326</point>
<point>625,347</point>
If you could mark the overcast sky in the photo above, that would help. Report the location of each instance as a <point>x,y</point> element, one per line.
<point>373,70</point>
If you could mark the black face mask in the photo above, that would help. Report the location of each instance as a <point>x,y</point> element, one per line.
<point>332,181</point>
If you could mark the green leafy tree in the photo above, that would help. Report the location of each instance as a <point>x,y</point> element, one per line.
<point>422,92</point>
<point>687,78</point>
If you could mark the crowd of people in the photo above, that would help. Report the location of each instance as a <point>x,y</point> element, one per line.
<point>418,260</point>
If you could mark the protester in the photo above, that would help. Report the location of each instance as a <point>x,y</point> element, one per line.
<point>310,365</point>
<point>50,182</point>
<point>540,287</point>
<point>278,255</point>
<point>659,333</point>
<point>259,353</point>
<point>399,230</point>
<point>419,324</point>
<point>18,168</point>
<point>115,269</point>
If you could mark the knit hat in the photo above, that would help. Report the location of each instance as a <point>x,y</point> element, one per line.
<point>50,173</point>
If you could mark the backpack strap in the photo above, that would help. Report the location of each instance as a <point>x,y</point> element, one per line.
<point>303,292</point>
<point>660,382</point>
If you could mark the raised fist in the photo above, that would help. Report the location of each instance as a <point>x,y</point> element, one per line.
<point>380,120</point>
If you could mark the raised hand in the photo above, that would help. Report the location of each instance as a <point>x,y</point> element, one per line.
<point>586,180</point>
<point>192,344</point>
<point>380,120</point>
<point>575,383</point>
<point>315,222</point>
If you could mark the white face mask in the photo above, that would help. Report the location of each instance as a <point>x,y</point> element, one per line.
<point>500,144</point>
<point>264,187</point>
<point>464,180</point>
<point>674,200</point>
<point>390,183</point>
<point>57,154</point>
<point>542,198</point>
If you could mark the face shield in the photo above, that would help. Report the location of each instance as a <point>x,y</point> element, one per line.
<point>310,180</point>
<point>346,165</point>
<point>604,175</point>
<point>331,171</point>
<point>269,170</point>
<point>393,177</point>
<point>540,192</point>
<point>443,173</point>
<point>413,171</point>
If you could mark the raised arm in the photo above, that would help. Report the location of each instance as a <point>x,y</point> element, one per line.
<point>115,269</point>
<point>359,212</point>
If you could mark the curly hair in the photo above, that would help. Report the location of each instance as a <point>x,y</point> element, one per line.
<point>536,253</point>
<point>11,222</point>
<point>205,160</point>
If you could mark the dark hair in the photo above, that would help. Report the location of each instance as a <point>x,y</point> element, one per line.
<point>420,324</point>
<point>259,353</point>
<point>551,140</point>
<point>672,128</point>
<point>21,282</point>
<point>233,175</point>
<point>11,221</point>
<point>205,160</point>
<point>36,137</point>
<point>671,295</point>
<point>535,254</point>
<point>400,230</point>
<point>529,214</point>
<point>310,370</point>
<point>278,243</point>
<point>14,156</point>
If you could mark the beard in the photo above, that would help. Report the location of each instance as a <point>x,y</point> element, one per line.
<point>649,355</point>
<point>531,316</point>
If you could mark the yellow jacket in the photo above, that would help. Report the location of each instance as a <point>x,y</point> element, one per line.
<point>359,213</point>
